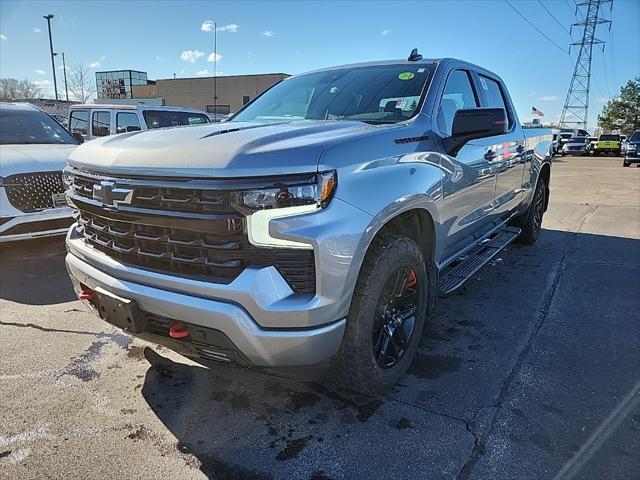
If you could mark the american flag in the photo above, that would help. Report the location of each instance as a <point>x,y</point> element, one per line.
<point>535,111</point>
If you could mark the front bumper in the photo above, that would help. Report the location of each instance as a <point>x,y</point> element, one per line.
<point>22,226</point>
<point>269,324</point>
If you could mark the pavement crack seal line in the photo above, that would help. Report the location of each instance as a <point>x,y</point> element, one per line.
<point>479,448</point>
<point>433,412</point>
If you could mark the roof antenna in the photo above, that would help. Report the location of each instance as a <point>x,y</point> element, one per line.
<point>414,56</point>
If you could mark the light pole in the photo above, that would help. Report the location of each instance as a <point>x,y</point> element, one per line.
<point>53,63</point>
<point>64,70</point>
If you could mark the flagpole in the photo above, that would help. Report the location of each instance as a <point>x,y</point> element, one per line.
<point>215,78</point>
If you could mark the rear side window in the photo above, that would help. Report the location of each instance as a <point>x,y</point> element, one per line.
<point>127,122</point>
<point>458,94</point>
<point>610,138</point>
<point>79,122</point>
<point>494,95</point>
<point>100,124</point>
<point>164,118</point>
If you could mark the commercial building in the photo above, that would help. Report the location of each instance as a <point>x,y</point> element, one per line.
<point>118,84</point>
<point>232,91</point>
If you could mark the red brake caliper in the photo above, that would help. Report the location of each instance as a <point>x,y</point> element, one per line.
<point>179,330</point>
<point>411,279</point>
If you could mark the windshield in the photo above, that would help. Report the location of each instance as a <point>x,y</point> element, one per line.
<point>578,140</point>
<point>635,137</point>
<point>21,127</point>
<point>610,138</point>
<point>375,94</point>
<point>565,135</point>
<point>169,118</point>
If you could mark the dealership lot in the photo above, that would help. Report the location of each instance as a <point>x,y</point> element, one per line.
<point>530,370</point>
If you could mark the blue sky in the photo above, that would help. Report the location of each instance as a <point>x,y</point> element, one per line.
<point>166,37</point>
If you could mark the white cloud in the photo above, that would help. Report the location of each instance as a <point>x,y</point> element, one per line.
<point>203,72</point>
<point>214,57</point>
<point>191,55</point>
<point>40,72</point>
<point>95,65</point>
<point>268,33</point>
<point>602,100</point>
<point>548,98</point>
<point>207,26</point>
<point>42,83</point>
<point>2,37</point>
<point>36,30</point>
<point>62,68</point>
<point>231,27</point>
<point>385,32</point>
<point>160,58</point>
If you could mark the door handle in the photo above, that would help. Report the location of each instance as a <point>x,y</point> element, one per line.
<point>490,155</point>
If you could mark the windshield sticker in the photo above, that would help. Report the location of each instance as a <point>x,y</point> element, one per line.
<point>421,70</point>
<point>406,75</point>
<point>483,82</point>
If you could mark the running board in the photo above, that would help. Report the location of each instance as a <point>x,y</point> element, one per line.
<point>466,266</point>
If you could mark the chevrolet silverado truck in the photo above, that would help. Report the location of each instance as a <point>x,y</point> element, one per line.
<point>312,233</point>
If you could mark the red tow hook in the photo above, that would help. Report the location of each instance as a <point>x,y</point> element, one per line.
<point>412,279</point>
<point>87,294</point>
<point>179,330</point>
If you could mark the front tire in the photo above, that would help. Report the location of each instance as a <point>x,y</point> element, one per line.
<point>386,317</point>
<point>625,164</point>
<point>531,221</point>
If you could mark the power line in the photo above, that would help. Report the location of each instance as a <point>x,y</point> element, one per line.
<point>536,28</point>
<point>552,16</point>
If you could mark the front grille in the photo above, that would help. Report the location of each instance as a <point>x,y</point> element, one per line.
<point>183,231</point>
<point>30,192</point>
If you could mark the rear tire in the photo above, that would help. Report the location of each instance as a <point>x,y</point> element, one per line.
<point>359,367</point>
<point>531,221</point>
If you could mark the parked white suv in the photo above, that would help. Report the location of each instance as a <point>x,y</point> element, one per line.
<point>91,121</point>
<point>33,151</point>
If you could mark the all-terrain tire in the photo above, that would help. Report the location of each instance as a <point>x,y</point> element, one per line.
<point>355,368</point>
<point>531,221</point>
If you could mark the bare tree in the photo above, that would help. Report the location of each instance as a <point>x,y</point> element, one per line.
<point>28,90</point>
<point>12,89</point>
<point>81,84</point>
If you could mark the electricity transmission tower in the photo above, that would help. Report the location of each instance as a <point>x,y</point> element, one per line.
<point>576,106</point>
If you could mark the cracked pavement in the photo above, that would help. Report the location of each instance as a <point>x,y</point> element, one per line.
<point>531,370</point>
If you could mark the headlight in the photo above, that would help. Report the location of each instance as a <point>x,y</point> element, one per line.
<point>317,192</point>
<point>631,148</point>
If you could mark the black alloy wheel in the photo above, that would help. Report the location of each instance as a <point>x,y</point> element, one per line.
<point>395,316</point>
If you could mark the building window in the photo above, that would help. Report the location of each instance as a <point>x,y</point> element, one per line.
<point>79,122</point>
<point>100,124</point>
<point>245,99</point>
<point>127,122</point>
<point>219,109</point>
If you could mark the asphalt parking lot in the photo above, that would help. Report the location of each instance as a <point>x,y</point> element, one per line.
<point>532,370</point>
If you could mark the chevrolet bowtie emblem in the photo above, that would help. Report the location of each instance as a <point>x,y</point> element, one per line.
<point>108,194</point>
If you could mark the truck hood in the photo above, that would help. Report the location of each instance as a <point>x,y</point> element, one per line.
<point>232,149</point>
<point>33,158</point>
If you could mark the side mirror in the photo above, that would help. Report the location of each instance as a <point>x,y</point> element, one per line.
<point>78,137</point>
<point>471,123</point>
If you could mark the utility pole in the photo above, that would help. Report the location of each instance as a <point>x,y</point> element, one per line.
<point>576,106</point>
<point>64,70</point>
<point>53,63</point>
<point>215,64</point>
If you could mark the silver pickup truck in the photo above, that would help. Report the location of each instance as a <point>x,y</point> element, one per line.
<point>313,232</point>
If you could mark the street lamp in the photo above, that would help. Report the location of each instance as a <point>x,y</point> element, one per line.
<point>53,64</point>
<point>64,69</point>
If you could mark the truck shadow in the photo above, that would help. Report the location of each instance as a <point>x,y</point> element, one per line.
<point>240,424</point>
<point>33,272</point>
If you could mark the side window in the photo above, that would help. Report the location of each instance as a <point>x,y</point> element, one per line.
<point>493,94</point>
<point>458,93</point>
<point>100,123</point>
<point>127,122</point>
<point>79,122</point>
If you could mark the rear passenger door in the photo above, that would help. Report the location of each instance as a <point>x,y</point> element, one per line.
<point>79,123</point>
<point>100,123</point>
<point>506,152</point>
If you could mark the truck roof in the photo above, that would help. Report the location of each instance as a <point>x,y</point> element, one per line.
<point>127,106</point>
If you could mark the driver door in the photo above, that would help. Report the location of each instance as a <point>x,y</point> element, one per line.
<point>469,182</point>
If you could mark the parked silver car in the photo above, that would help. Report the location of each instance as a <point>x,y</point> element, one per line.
<point>313,231</point>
